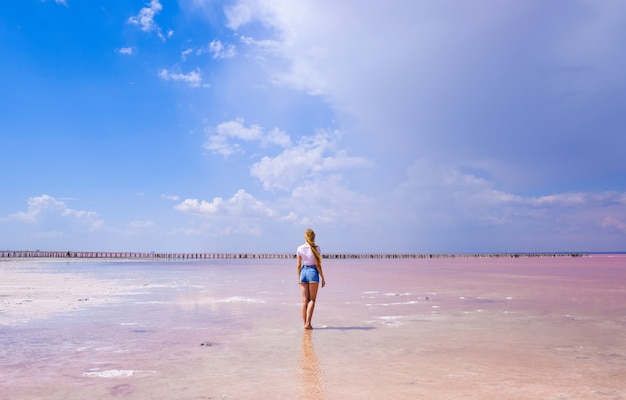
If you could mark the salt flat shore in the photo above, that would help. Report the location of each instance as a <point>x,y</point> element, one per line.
<point>483,328</point>
<point>31,291</point>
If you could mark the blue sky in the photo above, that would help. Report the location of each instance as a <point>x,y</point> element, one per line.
<point>386,126</point>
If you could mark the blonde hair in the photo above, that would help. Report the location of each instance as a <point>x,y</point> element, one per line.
<point>309,236</point>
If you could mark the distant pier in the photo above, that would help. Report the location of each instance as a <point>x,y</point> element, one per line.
<point>217,256</point>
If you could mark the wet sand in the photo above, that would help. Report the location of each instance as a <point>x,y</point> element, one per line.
<point>472,328</point>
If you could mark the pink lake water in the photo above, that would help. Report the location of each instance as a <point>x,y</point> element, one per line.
<point>447,328</point>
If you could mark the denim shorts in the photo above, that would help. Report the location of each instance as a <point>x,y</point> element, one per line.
<point>308,274</point>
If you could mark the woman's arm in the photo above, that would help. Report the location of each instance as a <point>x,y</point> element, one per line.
<point>299,265</point>
<point>319,271</point>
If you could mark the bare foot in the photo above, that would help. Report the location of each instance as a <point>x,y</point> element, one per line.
<point>308,326</point>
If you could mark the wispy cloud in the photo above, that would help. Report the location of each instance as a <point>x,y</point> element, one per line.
<point>612,223</point>
<point>126,50</point>
<point>193,78</point>
<point>228,134</point>
<point>215,48</point>
<point>145,18</point>
<point>220,50</point>
<point>445,197</point>
<point>61,2</point>
<point>170,197</point>
<point>185,53</point>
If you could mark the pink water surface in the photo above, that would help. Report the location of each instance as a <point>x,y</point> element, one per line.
<point>470,328</point>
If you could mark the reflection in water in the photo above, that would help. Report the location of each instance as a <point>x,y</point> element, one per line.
<point>310,372</point>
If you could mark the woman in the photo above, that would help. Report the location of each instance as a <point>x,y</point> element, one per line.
<point>309,274</point>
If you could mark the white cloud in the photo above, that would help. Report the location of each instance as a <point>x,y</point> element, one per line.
<point>242,12</point>
<point>185,53</point>
<point>215,48</point>
<point>219,50</point>
<point>328,200</point>
<point>218,144</point>
<point>241,205</point>
<point>263,46</point>
<point>312,171</point>
<point>311,157</point>
<point>322,201</point>
<point>145,18</point>
<point>195,206</point>
<point>126,50</point>
<point>302,35</point>
<point>236,129</point>
<point>222,142</point>
<point>54,215</point>
<point>284,170</point>
<point>277,137</point>
<point>61,2</point>
<point>193,78</point>
<point>241,214</point>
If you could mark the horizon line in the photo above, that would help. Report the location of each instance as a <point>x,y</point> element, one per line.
<point>246,255</point>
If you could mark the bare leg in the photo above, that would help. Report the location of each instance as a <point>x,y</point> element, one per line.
<point>311,304</point>
<point>305,301</point>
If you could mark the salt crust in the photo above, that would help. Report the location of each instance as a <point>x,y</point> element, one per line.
<point>239,299</point>
<point>115,373</point>
<point>32,292</point>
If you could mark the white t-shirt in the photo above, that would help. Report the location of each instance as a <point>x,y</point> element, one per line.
<point>308,258</point>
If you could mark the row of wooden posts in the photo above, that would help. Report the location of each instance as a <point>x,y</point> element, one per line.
<point>201,256</point>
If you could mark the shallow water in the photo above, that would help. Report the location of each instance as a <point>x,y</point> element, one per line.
<point>471,328</point>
